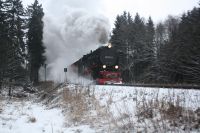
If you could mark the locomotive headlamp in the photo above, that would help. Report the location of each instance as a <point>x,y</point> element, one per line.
<point>109,45</point>
<point>104,66</point>
<point>116,67</point>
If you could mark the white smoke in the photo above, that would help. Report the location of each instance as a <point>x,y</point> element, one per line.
<point>70,31</point>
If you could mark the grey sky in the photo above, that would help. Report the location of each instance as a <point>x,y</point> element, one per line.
<point>158,9</point>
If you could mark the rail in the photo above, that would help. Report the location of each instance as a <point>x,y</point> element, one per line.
<point>177,86</point>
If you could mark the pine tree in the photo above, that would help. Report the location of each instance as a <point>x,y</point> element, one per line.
<point>148,52</point>
<point>36,48</point>
<point>136,41</point>
<point>160,40</point>
<point>16,14</point>
<point>121,38</point>
<point>119,34</point>
<point>150,35</point>
<point>186,45</point>
<point>13,39</point>
<point>139,45</point>
<point>3,41</point>
<point>159,37</point>
<point>179,58</point>
<point>12,46</point>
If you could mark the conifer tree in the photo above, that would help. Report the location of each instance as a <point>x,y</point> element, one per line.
<point>3,41</point>
<point>121,38</point>
<point>150,35</point>
<point>36,48</point>
<point>14,39</point>
<point>119,34</point>
<point>16,14</point>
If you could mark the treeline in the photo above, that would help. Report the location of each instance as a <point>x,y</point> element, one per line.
<point>168,52</point>
<point>21,45</point>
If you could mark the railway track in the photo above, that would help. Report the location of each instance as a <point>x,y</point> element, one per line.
<point>176,86</point>
<point>159,86</point>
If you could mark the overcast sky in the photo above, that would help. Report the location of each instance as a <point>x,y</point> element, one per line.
<point>158,9</point>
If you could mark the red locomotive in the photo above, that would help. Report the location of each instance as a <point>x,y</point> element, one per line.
<point>102,65</point>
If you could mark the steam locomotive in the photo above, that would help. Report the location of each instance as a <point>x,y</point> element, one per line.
<point>101,65</point>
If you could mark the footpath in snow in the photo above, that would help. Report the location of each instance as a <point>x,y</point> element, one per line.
<point>28,116</point>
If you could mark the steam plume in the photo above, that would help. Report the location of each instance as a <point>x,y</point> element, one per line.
<point>69,33</point>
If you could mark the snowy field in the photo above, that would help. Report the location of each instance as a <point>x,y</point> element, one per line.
<point>139,109</point>
<point>31,116</point>
<point>28,117</point>
<point>188,98</point>
<point>90,109</point>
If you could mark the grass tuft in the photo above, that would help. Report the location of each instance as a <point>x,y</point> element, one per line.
<point>32,119</point>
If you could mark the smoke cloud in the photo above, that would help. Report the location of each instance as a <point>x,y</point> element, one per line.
<point>71,29</point>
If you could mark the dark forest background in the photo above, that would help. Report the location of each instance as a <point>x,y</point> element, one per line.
<point>21,47</point>
<point>164,53</point>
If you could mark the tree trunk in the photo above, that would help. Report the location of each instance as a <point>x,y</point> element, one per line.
<point>34,75</point>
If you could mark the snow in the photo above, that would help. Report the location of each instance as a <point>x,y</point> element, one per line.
<point>16,117</point>
<point>126,104</point>
<point>189,97</point>
<point>111,109</point>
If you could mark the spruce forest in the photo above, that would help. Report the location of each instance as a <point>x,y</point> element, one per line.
<point>21,47</point>
<point>163,53</point>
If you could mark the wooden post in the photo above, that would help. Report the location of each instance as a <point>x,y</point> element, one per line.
<point>65,70</point>
<point>45,72</point>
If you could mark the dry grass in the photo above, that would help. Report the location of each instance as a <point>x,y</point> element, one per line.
<point>76,102</point>
<point>161,116</point>
<point>84,108</point>
<point>47,86</point>
<point>1,105</point>
<point>31,119</point>
<point>150,114</point>
<point>1,108</point>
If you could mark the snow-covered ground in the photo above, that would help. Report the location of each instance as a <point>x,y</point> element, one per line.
<point>28,117</point>
<point>188,98</point>
<point>31,116</point>
<point>143,109</point>
<point>90,109</point>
